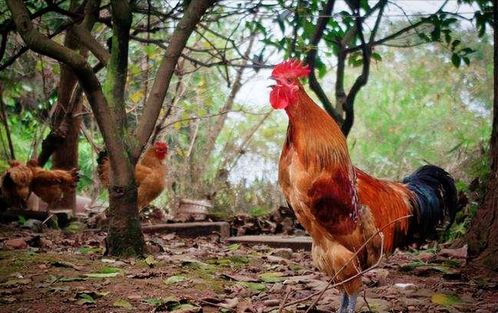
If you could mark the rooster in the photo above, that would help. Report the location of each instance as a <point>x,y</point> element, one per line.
<point>51,185</point>
<point>15,184</point>
<point>150,173</point>
<point>343,208</point>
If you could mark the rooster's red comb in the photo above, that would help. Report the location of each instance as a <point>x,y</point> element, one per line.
<point>161,145</point>
<point>291,69</point>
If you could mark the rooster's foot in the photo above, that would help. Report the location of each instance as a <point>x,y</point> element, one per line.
<point>348,303</point>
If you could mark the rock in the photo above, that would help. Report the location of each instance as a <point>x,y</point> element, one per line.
<point>15,244</point>
<point>34,241</point>
<point>377,277</point>
<point>405,286</point>
<point>460,253</point>
<point>35,225</point>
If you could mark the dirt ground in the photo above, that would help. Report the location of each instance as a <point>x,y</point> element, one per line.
<point>64,271</point>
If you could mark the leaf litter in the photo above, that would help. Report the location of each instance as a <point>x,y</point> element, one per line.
<point>205,274</point>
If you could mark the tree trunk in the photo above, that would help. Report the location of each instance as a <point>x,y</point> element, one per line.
<point>125,235</point>
<point>483,234</point>
<point>66,156</point>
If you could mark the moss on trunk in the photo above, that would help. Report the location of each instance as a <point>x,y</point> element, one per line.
<point>125,236</point>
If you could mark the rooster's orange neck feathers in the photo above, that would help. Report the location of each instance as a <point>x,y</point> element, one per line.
<point>328,138</point>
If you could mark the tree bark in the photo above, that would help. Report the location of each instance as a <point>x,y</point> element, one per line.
<point>125,236</point>
<point>483,234</point>
<point>69,102</point>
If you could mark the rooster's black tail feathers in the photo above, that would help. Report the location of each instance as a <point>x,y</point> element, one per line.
<point>435,202</point>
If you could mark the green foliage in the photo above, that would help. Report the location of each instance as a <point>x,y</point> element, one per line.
<point>258,211</point>
<point>407,115</point>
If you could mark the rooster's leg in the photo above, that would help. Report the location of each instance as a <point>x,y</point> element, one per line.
<point>352,302</point>
<point>348,303</point>
<point>344,303</point>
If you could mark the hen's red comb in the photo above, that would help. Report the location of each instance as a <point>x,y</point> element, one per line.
<point>291,68</point>
<point>161,145</point>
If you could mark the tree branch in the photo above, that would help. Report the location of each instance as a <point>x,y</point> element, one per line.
<point>88,80</point>
<point>363,78</point>
<point>310,59</point>
<point>185,27</point>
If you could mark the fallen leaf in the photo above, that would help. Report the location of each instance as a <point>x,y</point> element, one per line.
<point>271,277</point>
<point>84,298</point>
<point>230,303</point>
<point>66,264</point>
<point>445,299</point>
<point>253,286</point>
<point>175,279</point>
<point>122,303</point>
<point>15,282</point>
<point>153,301</point>
<point>59,289</point>
<point>239,277</point>
<point>460,253</point>
<point>150,261</point>
<point>101,275</point>
<point>108,270</point>
<point>69,279</point>
<point>186,308</point>
<point>233,246</point>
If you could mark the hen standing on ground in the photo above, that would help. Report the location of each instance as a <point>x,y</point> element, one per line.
<point>14,185</point>
<point>150,173</point>
<point>51,185</point>
<point>341,206</point>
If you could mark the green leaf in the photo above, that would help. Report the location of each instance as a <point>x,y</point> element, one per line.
<point>150,261</point>
<point>122,303</point>
<point>109,270</point>
<point>454,44</point>
<point>90,250</point>
<point>466,60</point>
<point>456,60</point>
<point>175,279</point>
<point>185,308</point>
<point>21,220</point>
<point>436,32</point>
<point>70,279</point>
<point>376,56</point>
<point>233,246</point>
<point>364,5</point>
<point>154,301</point>
<point>85,298</point>
<point>101,275</point>
<point>253,286</point>
<point>271,277</point>
<point>445,299</point>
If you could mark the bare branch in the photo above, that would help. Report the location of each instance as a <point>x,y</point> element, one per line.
<point>310,59</point>
<point>363,78</point>
<point>186,25</point>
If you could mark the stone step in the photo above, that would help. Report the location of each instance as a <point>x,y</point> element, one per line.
<point>195,229</point>
<point>275,241</point>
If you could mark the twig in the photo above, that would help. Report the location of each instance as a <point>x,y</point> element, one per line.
<point>281,307</point>
<point>48,218</point>
<point>330,285</point>
<point>366,302</point>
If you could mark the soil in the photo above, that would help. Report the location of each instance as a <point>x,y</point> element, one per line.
<point>64,271</point>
